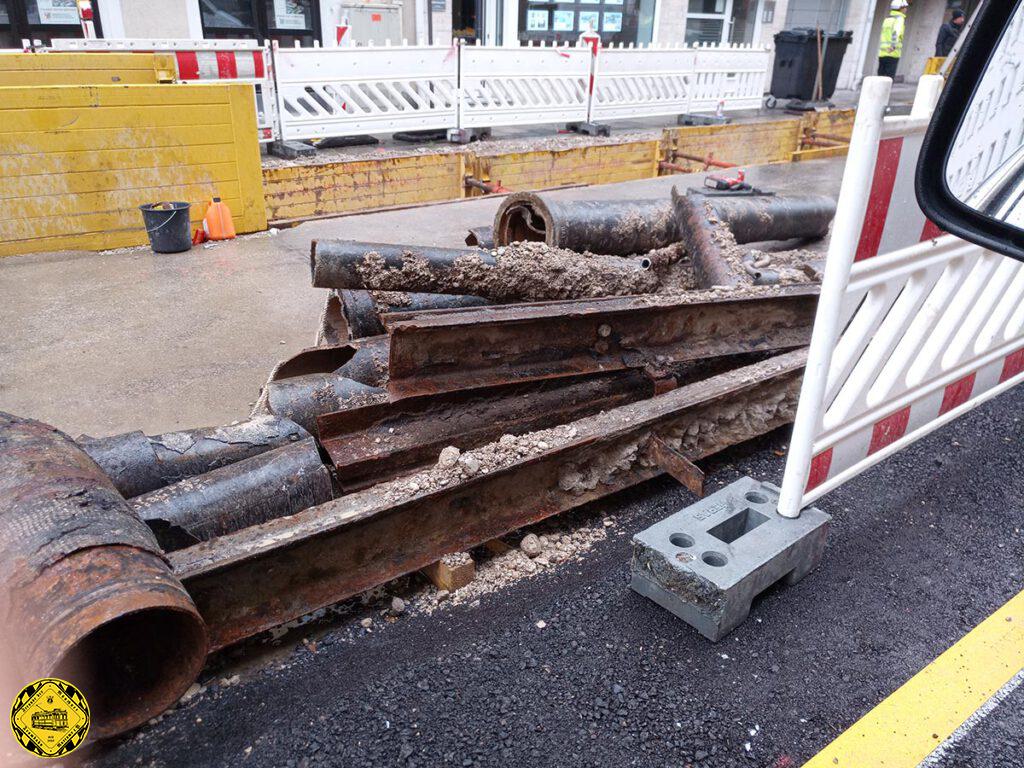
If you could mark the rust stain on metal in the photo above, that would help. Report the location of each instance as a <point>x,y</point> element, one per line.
<point>677,465</point>
<point>377,442</point>
<point>451,350</point>
<point>255,579</point>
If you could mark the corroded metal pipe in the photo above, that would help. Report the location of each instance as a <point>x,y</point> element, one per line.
<point>482,237</point>
<point>361,310</point>
<point>303,398</point>
<point>139,463</point>
<point>711,226</point>
<point>528,272</point>
<point>280,482</point>
<point>760,218</point>
<point>88,596</point>
<point>325,379</point>
<point>611,227</point>
<point>354,264</point>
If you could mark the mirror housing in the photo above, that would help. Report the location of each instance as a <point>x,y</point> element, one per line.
<point>934,195</point>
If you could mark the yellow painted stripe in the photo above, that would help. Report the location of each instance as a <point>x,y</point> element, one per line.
<point>907,727</point>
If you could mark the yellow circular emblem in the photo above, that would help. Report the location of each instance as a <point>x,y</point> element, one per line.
<point>50,717</point>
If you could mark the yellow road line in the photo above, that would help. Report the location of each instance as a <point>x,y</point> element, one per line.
<point>907,727</point>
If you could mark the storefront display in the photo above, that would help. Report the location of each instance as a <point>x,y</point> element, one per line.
<point>617,21</point>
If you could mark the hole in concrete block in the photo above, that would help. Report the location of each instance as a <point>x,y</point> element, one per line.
<point>717,559</point>
<point>756,498</point>
<point>738,525</point>
<point>681,540</point>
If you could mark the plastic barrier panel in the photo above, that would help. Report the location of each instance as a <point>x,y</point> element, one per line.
<point>352,91</point>
<point>629,82</point>
<point>523,86</point>
<point>913,328</point>
<point>733,76</point>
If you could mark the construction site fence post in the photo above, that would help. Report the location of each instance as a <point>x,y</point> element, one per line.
<point>853,203</point>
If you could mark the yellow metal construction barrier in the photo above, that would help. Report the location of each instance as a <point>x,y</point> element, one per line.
<point>29,69</point>
<point>77,161</point>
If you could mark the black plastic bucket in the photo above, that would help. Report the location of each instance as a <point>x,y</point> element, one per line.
<point>168,227</point>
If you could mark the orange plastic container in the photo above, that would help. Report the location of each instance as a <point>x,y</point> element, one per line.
<point>217,222</point>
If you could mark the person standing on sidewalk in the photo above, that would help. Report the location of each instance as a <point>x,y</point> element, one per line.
<point>891,47</point>
<point>949,32</point>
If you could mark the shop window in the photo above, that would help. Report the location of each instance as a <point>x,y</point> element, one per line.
<point>41,20</point>
<point>286,21</point>
<point>617,21</point>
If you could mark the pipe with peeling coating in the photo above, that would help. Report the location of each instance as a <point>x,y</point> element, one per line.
<point>280,482</point>
<point>139,463</point>
<point>87,594</point>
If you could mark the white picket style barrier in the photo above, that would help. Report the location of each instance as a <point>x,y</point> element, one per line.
<point>325,92</point>
<point>632,82</point>
<point>731,76</point>
<point>312,93</point>
<point>913,328</point>
<point>501,86</point>
<point>243,61</point>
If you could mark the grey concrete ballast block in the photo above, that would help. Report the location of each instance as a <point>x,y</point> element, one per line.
<point>707,562</point>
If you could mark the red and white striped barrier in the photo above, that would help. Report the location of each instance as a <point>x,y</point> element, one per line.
<point>913,328</point>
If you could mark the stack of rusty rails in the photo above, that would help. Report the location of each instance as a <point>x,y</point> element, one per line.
<point>461,394</point>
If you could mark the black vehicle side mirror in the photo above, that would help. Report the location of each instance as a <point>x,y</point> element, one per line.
<point>970,176</point>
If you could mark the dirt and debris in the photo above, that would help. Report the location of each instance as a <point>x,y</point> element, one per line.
<point>522,271</point>
<point>487,458</point>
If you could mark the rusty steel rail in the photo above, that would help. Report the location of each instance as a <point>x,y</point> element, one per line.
<point>458,349</point>
<point>378,442</point>
<point>252,580</point>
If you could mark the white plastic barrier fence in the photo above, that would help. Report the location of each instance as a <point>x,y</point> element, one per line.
<point>244,61</point>
<point>519,86</point>
<point>729,77</point>
<point>913,328</point>
<point>632,82</point>
<point>352,91</point>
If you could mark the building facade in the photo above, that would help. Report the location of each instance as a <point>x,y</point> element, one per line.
<point>493,22</point>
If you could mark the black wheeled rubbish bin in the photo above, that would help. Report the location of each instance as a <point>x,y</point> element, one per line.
<point>796,63</point>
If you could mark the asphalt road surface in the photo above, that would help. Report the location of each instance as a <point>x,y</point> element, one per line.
<point>922,548</point>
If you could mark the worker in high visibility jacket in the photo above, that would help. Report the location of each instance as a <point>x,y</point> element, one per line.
<point>891,47</point>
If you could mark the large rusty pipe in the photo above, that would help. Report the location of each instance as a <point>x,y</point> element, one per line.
<point>362,309</point>
<point>139,463</point>
<point>610,227</point>
<point>87,594</point>
<point>527,272</point>
<point>280,482</point>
